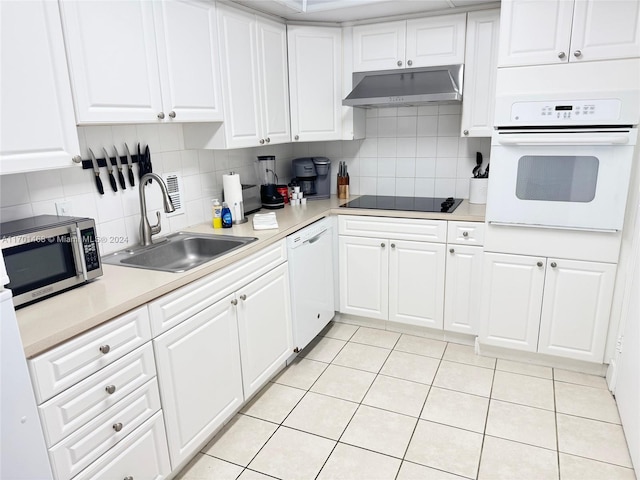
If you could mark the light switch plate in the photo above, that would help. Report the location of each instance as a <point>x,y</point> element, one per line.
<point>63,208</point>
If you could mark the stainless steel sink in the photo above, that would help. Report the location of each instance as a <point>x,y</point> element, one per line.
<point>180,252</point>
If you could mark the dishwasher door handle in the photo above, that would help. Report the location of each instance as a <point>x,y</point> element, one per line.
<point>315,238</point>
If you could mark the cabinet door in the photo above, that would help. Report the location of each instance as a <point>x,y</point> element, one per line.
<point>511,301</point>
<point>435,40</point>
<point>264,323</point>
<point>416,283</point>
<point>186,33</point>
<point>274,81</point>
<point>239,72</point>
<point>379,47</point>
<point>534,32</point>
<point>198,366</point>
<point>576,308</point>
<point>37,125</point>
<point>364,276</point>
<point>462,289</point>
<point>315,66</point>
<point>605,29</point>
<point>481,68</point>
<point>113,62</point>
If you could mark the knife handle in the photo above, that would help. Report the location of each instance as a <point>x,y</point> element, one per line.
<point>121,178</point>
<point>99,184</point>
<point>112,181</point>
<point>131,178</point>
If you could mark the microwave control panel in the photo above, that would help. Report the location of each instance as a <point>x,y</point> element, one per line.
<point>90,248</point>
<point>571,112</point>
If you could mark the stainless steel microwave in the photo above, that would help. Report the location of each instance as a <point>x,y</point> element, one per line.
<point>48,254</point>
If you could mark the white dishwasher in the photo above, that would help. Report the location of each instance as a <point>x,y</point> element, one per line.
<point>310,255</point>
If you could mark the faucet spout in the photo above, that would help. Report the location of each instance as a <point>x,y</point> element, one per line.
<point>146,229</point>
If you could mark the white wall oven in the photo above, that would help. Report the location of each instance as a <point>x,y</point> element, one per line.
<point>562,159</point>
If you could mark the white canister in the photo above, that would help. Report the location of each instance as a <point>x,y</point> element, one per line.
<point>478,190</point>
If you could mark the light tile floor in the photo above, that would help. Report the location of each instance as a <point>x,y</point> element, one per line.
<point>366,404</point>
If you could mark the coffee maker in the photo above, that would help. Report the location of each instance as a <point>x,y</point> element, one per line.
<point>266,172</point>
<point>312,175</point>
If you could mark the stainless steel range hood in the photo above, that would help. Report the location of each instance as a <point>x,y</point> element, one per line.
<point>407,87</point>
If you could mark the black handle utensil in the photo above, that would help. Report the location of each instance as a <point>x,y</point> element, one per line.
<point>96,171</point>
<point>130,166</point>
<point>112,179</point>
<point>119,166</point>
<point>476,170</point>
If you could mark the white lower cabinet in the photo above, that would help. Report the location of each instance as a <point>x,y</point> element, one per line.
<point>547,305</point>
<point>199,374</point>
<point>462,289</point>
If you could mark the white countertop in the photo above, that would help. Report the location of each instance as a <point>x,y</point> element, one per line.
<point>120,289</point>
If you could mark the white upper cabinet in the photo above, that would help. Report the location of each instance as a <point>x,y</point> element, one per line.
<point>315,70</point>
<point>37,125</point>
<point>536,32</point>
<point>409,44</point>
<point>134,61</point>
<point>480,70</point>
<point>186,33</point>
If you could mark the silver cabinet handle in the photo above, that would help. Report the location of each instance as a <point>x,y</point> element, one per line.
<point>128,477</point>
<point>268,140</point>
<point>465,234</point>
<point>172,114</point>
<point>262,141</point>
<point>105,349</point>
<point>382,245</point>
<point>577,54</point>
<point>540,264</point>
<point>234,302</point>
<point>554,264</point>
<point>117,426</point>
<point>466,132</point>
<point>296,137</point>
<point>561,54</point>
<point>451,250</point>
<point>399,63</point>
<point>161,115</point>
<point>409,62</point>
<point>393,245</point>
<point>243,297</point>
<point>110,389</point>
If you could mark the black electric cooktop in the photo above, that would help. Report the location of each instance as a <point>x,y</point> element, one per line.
<point>411,204</point>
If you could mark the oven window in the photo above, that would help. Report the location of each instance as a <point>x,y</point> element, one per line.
<point>37,264</point>
<point>557,178</point>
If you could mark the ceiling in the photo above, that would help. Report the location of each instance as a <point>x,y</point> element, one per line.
<point>353,10</point>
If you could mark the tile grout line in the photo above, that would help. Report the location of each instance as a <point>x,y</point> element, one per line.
<point>486,420</point>
<point>555,422</point>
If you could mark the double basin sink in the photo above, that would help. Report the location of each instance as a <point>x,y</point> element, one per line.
<point>178,252</point>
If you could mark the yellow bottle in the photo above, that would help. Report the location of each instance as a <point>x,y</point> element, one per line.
<point>216,208</point>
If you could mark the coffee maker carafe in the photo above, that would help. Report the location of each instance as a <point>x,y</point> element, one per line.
<point>266,172</point>
<point>312,175</point>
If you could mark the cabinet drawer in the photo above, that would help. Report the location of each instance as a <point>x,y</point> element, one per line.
<point>143,454</point>
<point>465,233</point>
<point>396,228</point>
<point>67,412</point>
<point>67,364</point>
<point>85,445</point>
<point>185,302</point>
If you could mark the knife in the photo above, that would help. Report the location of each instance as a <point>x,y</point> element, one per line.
<point>130,165</point>
<point>96,171</point>
<point>141,171</point>
<point>147,161</point>
<point>119,165</point>
<point>112,179</point>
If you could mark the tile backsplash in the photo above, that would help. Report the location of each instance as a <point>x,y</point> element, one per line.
<point>407,151</point>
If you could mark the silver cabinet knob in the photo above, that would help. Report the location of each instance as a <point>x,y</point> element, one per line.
<point>554,264</point>
<point>539,264</point>
<point>110,389</point>
<point>172,114</point>
<point>577,54</point>
<point>243,297</point>
<point>268,140</point>
<point>409,62</point>
<point>105,348</point>
<point>561,54</point>
<point>234,302</point>
<point>296,137</point>
<point>76,158</point>
<point>399,63</point>
<point>161,115</point>
<point>382,245</point>
<point>393,245</point>
<point>452,250</point>
<point>262,141</point>
<point>466,132</point>
<point>117,426</point>
<point>465,234</point>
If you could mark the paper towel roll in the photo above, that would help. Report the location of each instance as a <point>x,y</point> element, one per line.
<point>233,196</point>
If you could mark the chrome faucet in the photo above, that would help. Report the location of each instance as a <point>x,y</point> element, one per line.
<point>146,229</point>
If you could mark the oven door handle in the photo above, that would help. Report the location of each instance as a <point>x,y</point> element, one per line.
<point>78,253</point>
<point>571,139</point>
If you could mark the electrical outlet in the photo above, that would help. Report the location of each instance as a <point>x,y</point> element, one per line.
<point>63,208</point>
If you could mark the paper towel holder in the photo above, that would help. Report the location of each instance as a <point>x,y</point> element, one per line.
<point>236,207</point>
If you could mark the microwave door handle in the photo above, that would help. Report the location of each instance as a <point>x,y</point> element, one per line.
<point>78,253</point>
<point>571,139</point>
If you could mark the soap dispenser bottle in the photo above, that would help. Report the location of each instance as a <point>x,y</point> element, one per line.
<point>227,220</point>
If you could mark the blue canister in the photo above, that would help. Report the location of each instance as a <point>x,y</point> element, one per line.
<point>227,221</point>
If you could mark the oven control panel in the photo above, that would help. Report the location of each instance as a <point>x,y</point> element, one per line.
<point>571,112</point>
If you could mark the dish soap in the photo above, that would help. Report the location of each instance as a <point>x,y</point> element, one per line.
<point>216,208</point>
<point>227,221</point>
